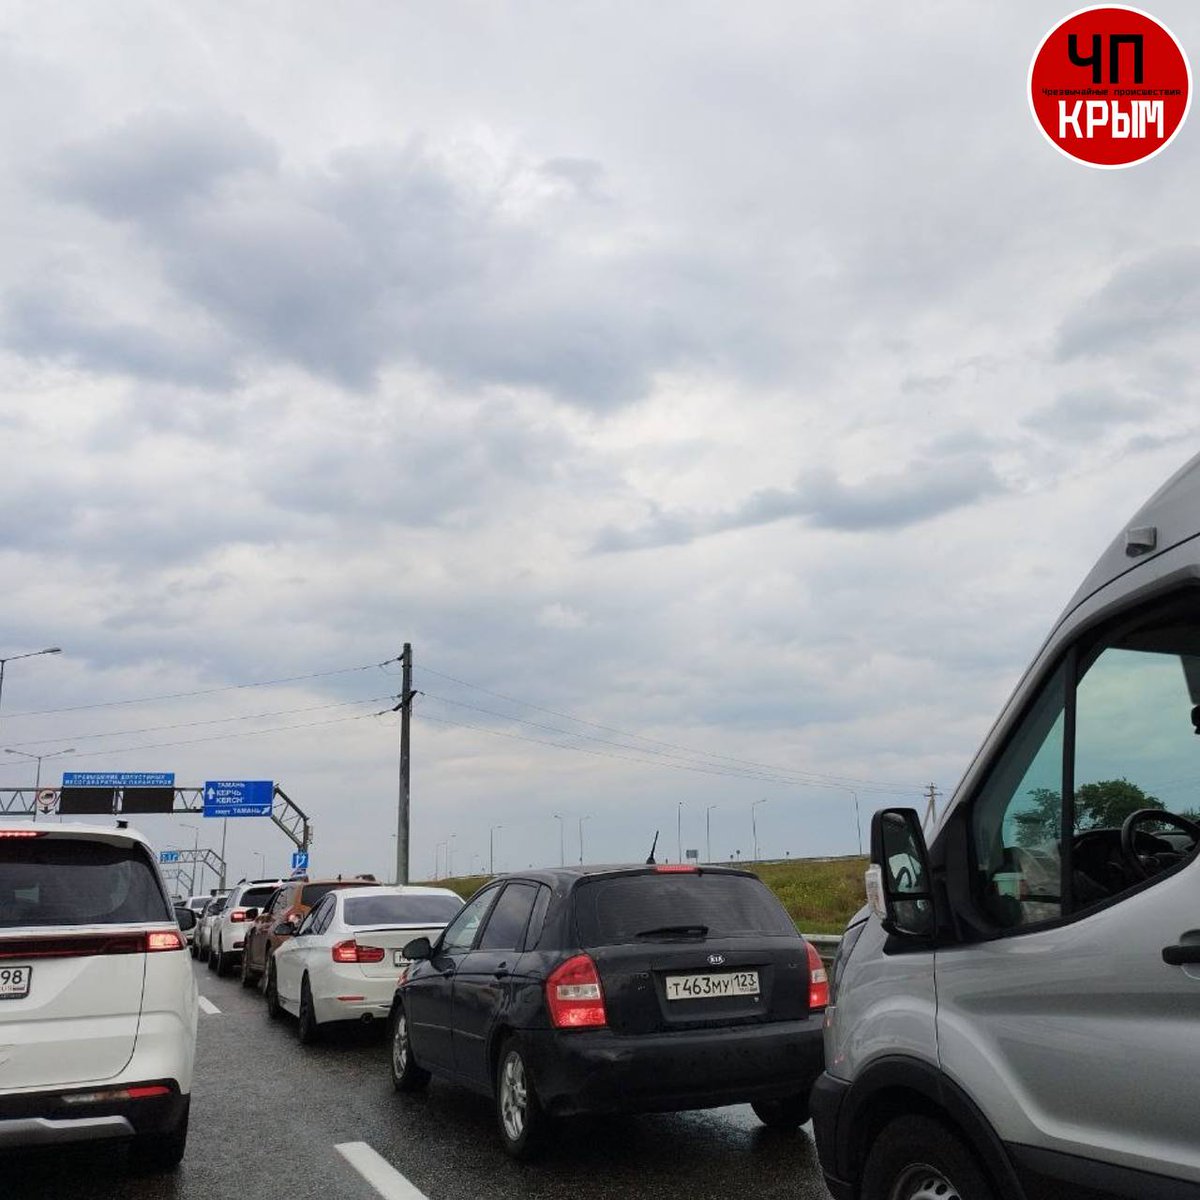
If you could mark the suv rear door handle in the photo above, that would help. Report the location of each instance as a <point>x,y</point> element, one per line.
<point>501,973</point>
<point>1181,953</point>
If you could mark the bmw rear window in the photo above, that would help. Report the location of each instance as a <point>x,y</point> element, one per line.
<point>616,910</point>
<point>61,881</point>
<point>399,910</point>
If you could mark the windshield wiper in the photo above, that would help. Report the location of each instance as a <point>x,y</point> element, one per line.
<point>696,931</point>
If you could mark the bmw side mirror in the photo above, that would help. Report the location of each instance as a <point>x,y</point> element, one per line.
<point>185,918</point>
<point>417,949</point>
<point>898,885</point>
<point>284,929</point>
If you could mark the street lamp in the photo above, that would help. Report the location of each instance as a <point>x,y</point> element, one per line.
<point>492,848</point>
<point>585,817</point>
<point>450,856</point>
<point>13,658</point>
<point>37,784</point>
<point>708,831</point>
<point>754,826</point>
<point>679,831</point>
<point>562,842</point>
<point>262,862</point>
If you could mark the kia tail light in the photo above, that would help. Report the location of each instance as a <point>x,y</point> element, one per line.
<point>574,995</point>
<point>818,980</point>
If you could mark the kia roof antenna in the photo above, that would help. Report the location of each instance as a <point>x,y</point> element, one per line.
<point>650,858</point>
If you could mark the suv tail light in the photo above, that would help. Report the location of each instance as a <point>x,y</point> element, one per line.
<point>574,995</point>
<point>238,915</point>
<point>92,945</point>
<point>818,980</point>
<point>352,952</point>
<point>677,868</point>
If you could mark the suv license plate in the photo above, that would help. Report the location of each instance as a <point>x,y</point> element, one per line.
<point>14,982</point>
<point>700,987</point>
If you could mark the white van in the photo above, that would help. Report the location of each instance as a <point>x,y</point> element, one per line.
<point>1016,1015</point>
<point>98,1002</point>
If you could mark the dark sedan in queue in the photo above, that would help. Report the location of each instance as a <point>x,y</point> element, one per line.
<point>588,990</point>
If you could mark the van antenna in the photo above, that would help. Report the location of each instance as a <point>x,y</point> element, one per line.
<point>650,857</point>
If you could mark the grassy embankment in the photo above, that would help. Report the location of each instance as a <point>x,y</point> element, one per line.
<point>820,896</point>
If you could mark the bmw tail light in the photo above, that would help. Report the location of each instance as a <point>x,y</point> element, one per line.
<point>352,952</point>
<point>574,995</point>
<point>818,980</point>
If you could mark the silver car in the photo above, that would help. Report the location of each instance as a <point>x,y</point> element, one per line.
<point>1017,1012</point>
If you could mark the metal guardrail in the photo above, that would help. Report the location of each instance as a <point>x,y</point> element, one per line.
<point>826,943</point>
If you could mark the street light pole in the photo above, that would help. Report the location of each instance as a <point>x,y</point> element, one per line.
<point>37,778</point>
<point>14,657</point>
<point>492,848</point>
<point>585,817</point>
<point>754,826</point>
<point>679,831</point>
<point>708,831</point>
<point>562,840</point>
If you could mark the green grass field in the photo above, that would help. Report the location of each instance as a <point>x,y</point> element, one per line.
<point>820,896</point>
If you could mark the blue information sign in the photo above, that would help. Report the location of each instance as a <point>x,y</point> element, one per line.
<point>118,779</point>
<point>238,797</point>
<point>168,856</point>
<point>300,860</point>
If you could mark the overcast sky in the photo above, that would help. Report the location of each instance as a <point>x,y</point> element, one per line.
<point>753,382</point>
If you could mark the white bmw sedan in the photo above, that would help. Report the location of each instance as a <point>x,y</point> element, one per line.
<point>343,961</point>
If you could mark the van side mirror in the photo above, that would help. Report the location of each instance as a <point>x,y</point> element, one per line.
<point>898,885</point>
<point>417,949</point>
<point>185,918</point>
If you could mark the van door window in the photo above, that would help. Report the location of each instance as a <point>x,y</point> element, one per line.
<point>1017,819</point>
<point>1136,748</point>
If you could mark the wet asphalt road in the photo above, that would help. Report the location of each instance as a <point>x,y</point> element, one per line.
<point>267,1114</point>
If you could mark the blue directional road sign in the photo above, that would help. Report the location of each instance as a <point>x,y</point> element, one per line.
<point>118,779</point>
<point>168,856</point>
<point>238,797</point>
<point>300,860</point>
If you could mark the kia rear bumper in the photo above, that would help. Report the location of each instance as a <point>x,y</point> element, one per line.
<point>597,1071</point>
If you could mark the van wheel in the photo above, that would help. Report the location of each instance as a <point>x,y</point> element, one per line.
<point>918,1158</point>
<point>274,1008</point>
<point>307,1027</point>
<point>518,1113</point>
<point>158,1153</point>
<point>789,1113</point>
<point>406,1075</point>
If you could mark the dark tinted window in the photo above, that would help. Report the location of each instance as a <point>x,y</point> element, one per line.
<point>399,910</point>
<point>314,891</point>
<point>617,909</point>
<point>53,881</point>
<point>256,897</point>
<point>505,929</point>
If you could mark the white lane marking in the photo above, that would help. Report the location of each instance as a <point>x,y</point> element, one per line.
<point>378,1172</point>
<point>209,1007</point>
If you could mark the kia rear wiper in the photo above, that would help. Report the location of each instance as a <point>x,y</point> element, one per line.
<point>696,931</point>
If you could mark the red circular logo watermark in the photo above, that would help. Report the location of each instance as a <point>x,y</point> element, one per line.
<point>1110,86</point>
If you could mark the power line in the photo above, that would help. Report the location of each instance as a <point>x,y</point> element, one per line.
<point>232,687</point>
<point>723,772</point>
<point>810,776</point>
<point>280,712</point>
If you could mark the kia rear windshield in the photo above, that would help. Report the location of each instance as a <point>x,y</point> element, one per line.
<point>668,906</point>
<point>56,881</point>
<point>254,897</point>
<point>399,910</point>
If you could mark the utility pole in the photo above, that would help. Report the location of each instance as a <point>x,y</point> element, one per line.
<point>585,817</point>
<point>405,710</point>
<point>931,795</point>
<point>754,826</point>
<point>708,832</point>
<point>492,848</point>
<point>679,831</point>
<point>562,842</point>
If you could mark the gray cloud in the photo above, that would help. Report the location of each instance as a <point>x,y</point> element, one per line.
<point>1150,300</point>
<point>921,492</point>
<point>1086,413</point>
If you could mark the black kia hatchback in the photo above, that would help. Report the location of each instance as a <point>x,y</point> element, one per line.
<point>615,989</point>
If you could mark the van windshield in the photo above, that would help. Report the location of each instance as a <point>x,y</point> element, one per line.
<point>60,881</point>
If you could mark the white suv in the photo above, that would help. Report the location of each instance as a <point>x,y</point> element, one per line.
<point>227,938</point>
<point>97,997</point>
